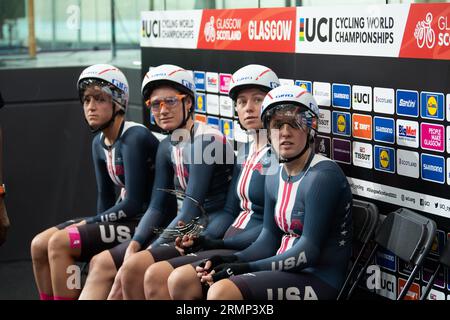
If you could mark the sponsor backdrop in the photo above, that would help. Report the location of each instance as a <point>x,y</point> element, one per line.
<point>380,75</point>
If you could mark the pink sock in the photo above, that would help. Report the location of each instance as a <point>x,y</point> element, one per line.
<point>63,298</point>
<point>44,296</point>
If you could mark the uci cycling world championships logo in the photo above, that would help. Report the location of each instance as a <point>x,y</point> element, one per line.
<point>428,34</point>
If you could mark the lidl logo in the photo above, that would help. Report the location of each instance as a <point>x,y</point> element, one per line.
<point>432,168</point>
<point>362,126</point>
<point>226,126</point>
<point>200,103</point>
<point>384,159</point>
<point>307,85</point>
<point>407,103</point>
<point>384,129</point>
<point>341,123</point>
<point>341,95</point>
<point>432,105</point>
<point>199,79</point>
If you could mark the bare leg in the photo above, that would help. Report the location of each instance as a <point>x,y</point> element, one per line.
<point>224,290</point>
<point>61,257</point>
<point>133,271</point>
<point>116,290</point>
<point>155,281</point>
<point>183,284</point>
<point>41,266</point>
<point>102,271</point>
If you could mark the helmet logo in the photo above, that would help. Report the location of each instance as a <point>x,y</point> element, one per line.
<point>273,84</point>
<point>284,95</point>
<point>187,84</point>
<point>119,84</point>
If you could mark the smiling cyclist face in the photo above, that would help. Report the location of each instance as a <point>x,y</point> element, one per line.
<point>166,105</point>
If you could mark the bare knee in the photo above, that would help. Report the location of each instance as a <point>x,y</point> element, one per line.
<point>155,279</point>
<point>181,282</point>
<point>39,247</point>
<point>224,290</point>
<point>58,244</point>
<point>133,269</point>
<point>102,266</point>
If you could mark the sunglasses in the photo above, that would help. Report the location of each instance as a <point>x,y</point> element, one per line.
<point>169,102</point>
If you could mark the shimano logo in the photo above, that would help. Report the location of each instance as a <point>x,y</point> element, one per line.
<point>342,96</point>
<point>384,130</point>
<point>430,167</point>
<point>407,103</point>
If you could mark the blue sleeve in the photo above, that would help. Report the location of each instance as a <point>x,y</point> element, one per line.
<point>155,216</point>
<point>321,202</point>
<point>269,239</point>
<point>137,149</point>
<point>105,187</point>
<point>243,239</point>
<point>200,176</point>
<point>221,220</point>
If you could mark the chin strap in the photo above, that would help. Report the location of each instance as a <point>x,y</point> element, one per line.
<point>106,124</point>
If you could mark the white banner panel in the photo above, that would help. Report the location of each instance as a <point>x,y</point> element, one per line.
<point>170,29</point>
<point>351,30</point>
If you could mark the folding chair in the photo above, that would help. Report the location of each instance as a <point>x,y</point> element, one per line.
<point>409,236</point>
<point>365,221</point>
<point>444,260</point>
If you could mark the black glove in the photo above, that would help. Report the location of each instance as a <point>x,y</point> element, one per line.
<point>204,243</point>
<point>217,260</point>
<point>227,270</point>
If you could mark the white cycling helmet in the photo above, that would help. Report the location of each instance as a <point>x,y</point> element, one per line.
<point>171,75</point>
<point>291,95</point>
<point>296,104</point>
<point>250,76</point>
<point>109,78</point>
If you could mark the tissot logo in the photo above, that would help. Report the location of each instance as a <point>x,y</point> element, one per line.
<point>312,28</point>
